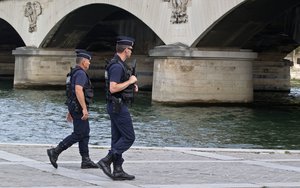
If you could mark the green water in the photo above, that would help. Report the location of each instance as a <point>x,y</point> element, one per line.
<point>272,121</point>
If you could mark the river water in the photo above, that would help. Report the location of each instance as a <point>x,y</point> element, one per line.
<point>271,122</point>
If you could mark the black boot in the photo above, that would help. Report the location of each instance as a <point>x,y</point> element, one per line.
<point>119,174</point>
<point>105,163</point>
<point>53,155</point>
<point>88,163</point>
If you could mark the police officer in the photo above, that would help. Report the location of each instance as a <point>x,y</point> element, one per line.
<point>80,97</point>
<point>120,85</point>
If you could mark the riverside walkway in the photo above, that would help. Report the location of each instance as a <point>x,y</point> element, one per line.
<point>24,165</point>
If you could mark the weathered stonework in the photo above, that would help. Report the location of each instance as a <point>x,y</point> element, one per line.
<point>39,67</point>
<point>185,75</point>
<point>271,75</point>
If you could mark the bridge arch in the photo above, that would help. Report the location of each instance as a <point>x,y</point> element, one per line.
<point>260,25</point>
<point>96,26</point>
<point>155,14</point>
<point>50,20</point>
<point>55,11</point>
<point>9,40</point>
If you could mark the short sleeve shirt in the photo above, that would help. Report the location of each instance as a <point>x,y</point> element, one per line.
<point>116,71</point>
<point>79,78</point>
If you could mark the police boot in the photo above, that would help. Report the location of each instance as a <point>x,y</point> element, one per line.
<point>105,163</point>
<point>119,174</point>
<point>53,155</point>
<point>88,163</point>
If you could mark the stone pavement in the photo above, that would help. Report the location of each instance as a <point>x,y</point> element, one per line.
<point>24,165</point>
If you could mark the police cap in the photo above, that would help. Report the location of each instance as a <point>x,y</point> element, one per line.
<point>83,53</point>
<point>127,41</point>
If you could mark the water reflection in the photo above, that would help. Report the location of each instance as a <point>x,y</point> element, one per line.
<point>38,116</point>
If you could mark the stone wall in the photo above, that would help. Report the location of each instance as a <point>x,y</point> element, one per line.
<point>202,80</point>
<point>44,67</point>
<point>41,68</point>
<point>271,75</point>
<point>186,75</point>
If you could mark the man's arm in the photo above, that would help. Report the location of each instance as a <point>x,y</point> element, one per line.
<point>114,87</point>
<point>80,97</point>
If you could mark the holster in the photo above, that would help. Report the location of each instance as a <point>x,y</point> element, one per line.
<point>74,106</point>
<point>116,104</point>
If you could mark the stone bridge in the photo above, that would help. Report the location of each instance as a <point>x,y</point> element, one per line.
<point>187,50</point>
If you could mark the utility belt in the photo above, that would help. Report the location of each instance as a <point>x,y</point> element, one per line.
<point>74,106</point>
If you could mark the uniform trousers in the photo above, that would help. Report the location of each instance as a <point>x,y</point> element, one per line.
<point>122,132</point>
<point>80,134</point>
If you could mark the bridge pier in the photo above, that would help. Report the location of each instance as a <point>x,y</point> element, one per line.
<point>185,75</point>
<point>271,74</point>
<point>35,67</point>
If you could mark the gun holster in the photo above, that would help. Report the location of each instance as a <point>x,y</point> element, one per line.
<point>116,104</point>
<point>74,106</point>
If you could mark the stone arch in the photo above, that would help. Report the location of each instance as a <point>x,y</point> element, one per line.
<point>96,26</point>
<point>251,25</point>
<point>9,40</point>
<point>50,20</point>
<point>55,11</point>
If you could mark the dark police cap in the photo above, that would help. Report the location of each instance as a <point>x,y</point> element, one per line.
<point>123,40</point>
<point>83,53</point>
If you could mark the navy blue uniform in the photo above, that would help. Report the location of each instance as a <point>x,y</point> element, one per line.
<point>122,133</point>
<point>122,130</point>
<point>81,128</point>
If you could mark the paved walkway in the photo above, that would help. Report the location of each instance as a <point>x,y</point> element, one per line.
<point>28,166</point>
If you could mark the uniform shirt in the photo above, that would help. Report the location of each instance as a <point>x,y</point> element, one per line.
<point>79,78</point>
<point>116,71</point>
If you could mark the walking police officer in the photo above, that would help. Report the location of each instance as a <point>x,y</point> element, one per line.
<point>120,87</point>
<point>78,101</point>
